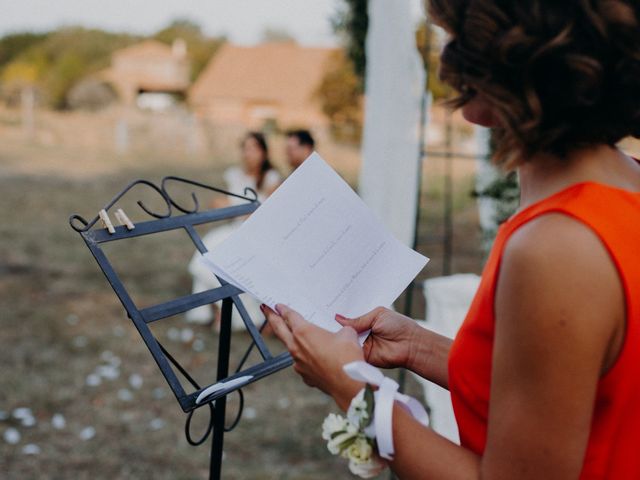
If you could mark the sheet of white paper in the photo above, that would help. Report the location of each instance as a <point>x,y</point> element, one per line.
<point>316,247</point>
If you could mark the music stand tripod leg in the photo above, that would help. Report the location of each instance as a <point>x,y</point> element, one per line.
<point>224,344</point>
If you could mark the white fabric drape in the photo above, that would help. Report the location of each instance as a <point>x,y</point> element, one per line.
<point>395,82</point>
<point>448,301</point>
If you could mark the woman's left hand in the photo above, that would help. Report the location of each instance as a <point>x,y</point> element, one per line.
<point>318,354</point>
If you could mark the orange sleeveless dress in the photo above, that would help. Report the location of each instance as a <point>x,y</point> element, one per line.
<point>614,440</point>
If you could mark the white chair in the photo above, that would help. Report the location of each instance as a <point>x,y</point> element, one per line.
<point>448,300</point>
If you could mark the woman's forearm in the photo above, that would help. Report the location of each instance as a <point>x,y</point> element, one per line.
<point>421,453</point>
<point>428,356</point>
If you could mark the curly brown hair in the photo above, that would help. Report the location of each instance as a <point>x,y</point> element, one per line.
<point>559,74</point>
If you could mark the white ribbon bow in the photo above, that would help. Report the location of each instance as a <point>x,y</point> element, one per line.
<point>385,396</point>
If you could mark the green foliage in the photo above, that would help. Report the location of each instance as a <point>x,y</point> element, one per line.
<point>200,48</point>
<point>340,96</point>
<point>340,92</point>
<point>351,22</point>
<point>65,71</point>
<point>505,190</point>
<point>14,44</point>
<point>55,61</point>
<point>59,59</point>
<point>179,26</point>
<point>91,94</point>
<point>271,34</point>
<point>427,43</point>
<point>92,47</point>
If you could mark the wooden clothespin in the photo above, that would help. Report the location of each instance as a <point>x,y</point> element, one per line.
<point>106,221</point>
<point>124,219</point>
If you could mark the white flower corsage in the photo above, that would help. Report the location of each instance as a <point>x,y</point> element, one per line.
<point>365,437</point>
<point>353,437</point>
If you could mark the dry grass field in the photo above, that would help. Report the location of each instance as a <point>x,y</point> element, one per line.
<point>68,351</point>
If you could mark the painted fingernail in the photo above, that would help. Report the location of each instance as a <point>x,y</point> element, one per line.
<point>340,317</point>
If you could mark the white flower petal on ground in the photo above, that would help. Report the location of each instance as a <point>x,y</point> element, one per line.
<point>125,395</point>
<point>25,415</point>
<point>127,417</point>
<point>72,319</point>
<point>186,335</point>
<point>93,380</point>
<point>108,372</point>
<point>79,341</point>
<point>173,334</point>
<point>28,421</point>
<point>118,331</point>
<point>87,433</point>
<point>158,393</point>
<point>11,436</point>
<point>115,361</point>
<point>284,403</point>
<point>31,449</point>
<point>249,413</point>
<point>157,424</point>
<point>58,421</point>
<point>198,345</point>
<point>22,412</point>
<point>136,381</point>
<point>106,355</point>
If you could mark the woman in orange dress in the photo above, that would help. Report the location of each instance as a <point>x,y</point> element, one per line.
<point>544,374</point>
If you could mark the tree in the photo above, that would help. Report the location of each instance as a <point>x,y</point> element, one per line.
<point>340,91</point>
<point>429,47</point>
<point>17,77</point>
<point>273,34</point>
<point>351,22</point>
<point>200,48</point>
<point>63,57</point>
<point>341,98</point>
<point>11,46</point>
<point>91,94</point>
<point>505,191</point>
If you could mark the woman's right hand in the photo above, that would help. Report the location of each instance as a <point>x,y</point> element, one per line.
<point>398,341</point>
<point>392,339</point>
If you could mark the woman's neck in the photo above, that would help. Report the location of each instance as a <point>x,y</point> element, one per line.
<point>545,175</point>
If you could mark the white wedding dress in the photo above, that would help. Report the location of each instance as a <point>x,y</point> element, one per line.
<point>203,279</point>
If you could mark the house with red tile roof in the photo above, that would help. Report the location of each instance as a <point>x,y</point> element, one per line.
<point>149,67</point>
<point>253,85</point>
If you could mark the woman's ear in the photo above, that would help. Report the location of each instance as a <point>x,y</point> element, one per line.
<point>480,112</point>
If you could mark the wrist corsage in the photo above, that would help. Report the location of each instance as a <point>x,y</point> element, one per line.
<point>352,438</point>
<point>365,436</point>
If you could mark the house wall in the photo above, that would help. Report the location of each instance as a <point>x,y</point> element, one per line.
<point>135,72</point>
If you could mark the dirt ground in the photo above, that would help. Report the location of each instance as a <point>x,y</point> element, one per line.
<point>68,351</point>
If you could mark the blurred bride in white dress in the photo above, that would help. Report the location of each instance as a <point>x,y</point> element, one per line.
<point>257,173</point>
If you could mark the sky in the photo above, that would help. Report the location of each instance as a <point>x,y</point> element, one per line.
<point>243,21</point>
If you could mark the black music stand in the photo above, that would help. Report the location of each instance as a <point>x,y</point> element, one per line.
<point>141,318</point>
